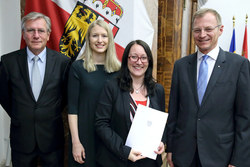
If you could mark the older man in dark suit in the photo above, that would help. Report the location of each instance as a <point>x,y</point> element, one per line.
<point>209,107</point>
<point>32,91</point>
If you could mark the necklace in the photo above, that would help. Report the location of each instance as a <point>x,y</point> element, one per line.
<point>138,89</point>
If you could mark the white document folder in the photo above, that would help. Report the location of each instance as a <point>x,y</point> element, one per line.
<point>146,131</point>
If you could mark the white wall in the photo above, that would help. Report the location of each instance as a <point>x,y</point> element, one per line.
<point>10,33</point>
<point>185,27</point>
<point>228,9</point>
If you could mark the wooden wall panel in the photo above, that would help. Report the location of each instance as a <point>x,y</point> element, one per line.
<point>169,40</point>
<point>22,3</point>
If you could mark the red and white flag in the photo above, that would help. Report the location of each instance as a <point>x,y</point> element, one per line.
<point>70,19</point>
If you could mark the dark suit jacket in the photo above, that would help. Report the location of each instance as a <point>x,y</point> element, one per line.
<point>113,124</point>
<point>34,122</point>
<point>220,127</point>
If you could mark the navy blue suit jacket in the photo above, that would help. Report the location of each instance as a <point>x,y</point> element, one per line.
<point>220,127</point>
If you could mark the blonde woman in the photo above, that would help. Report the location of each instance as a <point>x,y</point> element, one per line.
<point>87,76</point>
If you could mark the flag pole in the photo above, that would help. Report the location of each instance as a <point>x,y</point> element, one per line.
<point>246,18</point>
<point>245,46</point>
<point>233,21</point>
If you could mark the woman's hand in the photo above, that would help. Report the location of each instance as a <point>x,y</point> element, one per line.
<point>78,153</point>
<point>169,160</point>
<point>160,149</point>
<point>135,155</point>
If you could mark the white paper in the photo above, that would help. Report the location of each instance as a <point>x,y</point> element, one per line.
<point>146,131</point>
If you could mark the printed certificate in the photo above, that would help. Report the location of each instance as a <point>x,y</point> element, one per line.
<point>146,130</point>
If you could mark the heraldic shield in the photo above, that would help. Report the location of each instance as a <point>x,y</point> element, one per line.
<point>73,37</point>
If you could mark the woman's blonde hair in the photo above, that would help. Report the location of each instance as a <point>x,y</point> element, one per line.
<point>112,64</point>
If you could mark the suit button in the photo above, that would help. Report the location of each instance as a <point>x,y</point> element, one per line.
<point>199,119</point>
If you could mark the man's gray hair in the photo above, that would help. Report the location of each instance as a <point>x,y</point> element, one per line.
<point>34,16</point>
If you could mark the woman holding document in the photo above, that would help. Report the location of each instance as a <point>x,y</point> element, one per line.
<point>117,106</point>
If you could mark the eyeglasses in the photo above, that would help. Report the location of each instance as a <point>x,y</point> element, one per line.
<point>144,59</point>
<point>33,31</point>
<point>206,29</point>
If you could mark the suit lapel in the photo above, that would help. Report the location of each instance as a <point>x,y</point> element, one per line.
<point>218,68</point>
<point>192,72</point>
<point>50,64</point>
<point>23,66</point>
<point>126,106</point>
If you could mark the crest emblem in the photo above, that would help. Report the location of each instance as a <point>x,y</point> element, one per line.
<point>73,37</point>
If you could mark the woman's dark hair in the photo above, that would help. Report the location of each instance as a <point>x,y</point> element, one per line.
<point>124,78</point>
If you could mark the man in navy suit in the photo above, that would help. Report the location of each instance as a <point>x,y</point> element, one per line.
<point>36,132</point>
<point>212,128</point>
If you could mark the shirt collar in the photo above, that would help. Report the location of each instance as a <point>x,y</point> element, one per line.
<point>212,54</point>
<point>42,55</point>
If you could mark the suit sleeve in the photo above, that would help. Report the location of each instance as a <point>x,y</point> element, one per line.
<point>4,89</point>
<point>161,100</point>
<point>241,151</point>
<point>104,112</point>
<point>67,65</point>
<point>172,110</point>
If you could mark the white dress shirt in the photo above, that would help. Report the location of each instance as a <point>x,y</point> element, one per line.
<point>213,54</point>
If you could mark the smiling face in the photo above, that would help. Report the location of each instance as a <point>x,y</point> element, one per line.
<point>137,68</point>
<point>206,38</point>
<point>98,40</point>
<point>36,35</point>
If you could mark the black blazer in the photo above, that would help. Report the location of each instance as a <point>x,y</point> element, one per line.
<point>34,122</point>
<point>220,127</point>
<point>113,124</point>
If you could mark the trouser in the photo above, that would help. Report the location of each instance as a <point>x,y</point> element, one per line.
<point>196,161</point>
<point>35,158</point>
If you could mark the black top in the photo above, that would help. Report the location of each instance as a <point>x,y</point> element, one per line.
<point>83,93</point>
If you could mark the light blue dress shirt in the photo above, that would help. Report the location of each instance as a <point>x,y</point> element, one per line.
<point>41,62</point>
